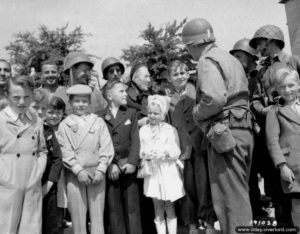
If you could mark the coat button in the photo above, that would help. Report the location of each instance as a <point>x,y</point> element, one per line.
<point>18,155</point>
<point>33,153</point>
<point>18,136</point>
<point>32,137</point>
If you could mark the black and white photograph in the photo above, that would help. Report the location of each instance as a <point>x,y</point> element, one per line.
<point>149,116</point>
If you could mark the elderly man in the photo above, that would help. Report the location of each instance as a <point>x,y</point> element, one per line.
<point>78,66</point>
<point>222,112</point>
<point>5,73</point>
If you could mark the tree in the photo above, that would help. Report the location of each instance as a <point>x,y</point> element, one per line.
<point>28,50</point>
<point>160,47</point>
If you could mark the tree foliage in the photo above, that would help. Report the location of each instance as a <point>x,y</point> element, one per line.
<point>30,49</point>
<point>160,47</point>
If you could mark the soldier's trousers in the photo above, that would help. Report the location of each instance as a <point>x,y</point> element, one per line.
<point>123,207</point>
<point>229,175</point>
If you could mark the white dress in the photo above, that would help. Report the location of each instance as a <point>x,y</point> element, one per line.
<point>166,181</point>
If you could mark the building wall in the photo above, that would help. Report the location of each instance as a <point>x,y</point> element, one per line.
<point>292,8</point>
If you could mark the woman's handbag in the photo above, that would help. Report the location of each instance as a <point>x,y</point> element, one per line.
<point>145,169</point>
<point>221,139</point>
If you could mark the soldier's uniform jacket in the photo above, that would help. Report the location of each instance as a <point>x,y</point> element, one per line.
<point>222,85</point>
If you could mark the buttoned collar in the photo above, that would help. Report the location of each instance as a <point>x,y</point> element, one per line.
<point>15,115</point>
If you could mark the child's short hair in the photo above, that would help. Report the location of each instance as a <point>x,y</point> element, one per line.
<point>284,72</point>
<point>109,85</point>
<point>175,64</point>
<point>21,80</point>
<point>56,103</point>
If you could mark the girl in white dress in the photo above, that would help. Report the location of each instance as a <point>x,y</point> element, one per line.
<point>160,144</point>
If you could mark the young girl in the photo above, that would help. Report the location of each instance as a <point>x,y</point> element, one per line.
<point>283,136</point>
<point>160,144</point>
<point>52,215</point>
<point>22,161</point>
<point>87,150</point>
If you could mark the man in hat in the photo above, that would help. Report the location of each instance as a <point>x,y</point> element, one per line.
<point>112,68</point>
<point>222,106</point>
<point>78,66</point>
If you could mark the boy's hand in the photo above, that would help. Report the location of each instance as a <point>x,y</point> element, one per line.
<point>128,168</point>
<point>99,176</point>
<point>113,172</point>
<point>84,177</point>
<point>46,188</point>
<point>286,173</point>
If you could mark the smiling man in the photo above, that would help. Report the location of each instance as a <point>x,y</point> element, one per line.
<point>50,77</point>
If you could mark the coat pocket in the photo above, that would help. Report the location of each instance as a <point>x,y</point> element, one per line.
<point>5,171</point>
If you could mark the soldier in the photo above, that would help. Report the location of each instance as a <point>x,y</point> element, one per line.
<point>5,73</point>
<point>222,112</point>
<point>248,58</point>
<point>112,68</point>
<point>268,40</point>
<point>77,66</point>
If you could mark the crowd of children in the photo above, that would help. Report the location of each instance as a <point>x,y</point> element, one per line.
<point>143,146</point>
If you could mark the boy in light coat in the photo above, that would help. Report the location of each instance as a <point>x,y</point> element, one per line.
<point>22,161</point>
<point>87,150</point>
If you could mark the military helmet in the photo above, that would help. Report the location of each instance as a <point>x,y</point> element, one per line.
<point>108,62</point>
<point>243,45</point>
<point>270,32</point>
<point>197,31</point>
<point>74,58</point>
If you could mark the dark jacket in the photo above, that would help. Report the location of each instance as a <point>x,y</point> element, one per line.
<point>124,132</point>
<point>182,119</point>
<point>137,100</point>
<point>54,156</point>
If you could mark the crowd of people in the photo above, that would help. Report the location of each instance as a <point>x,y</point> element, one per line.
<point>137,155</point>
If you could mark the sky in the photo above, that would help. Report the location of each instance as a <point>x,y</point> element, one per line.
<point>116,24</point>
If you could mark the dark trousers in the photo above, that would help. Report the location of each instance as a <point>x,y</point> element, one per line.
<point>52,215</point>
<point>147,211</point>
<point>198,195</point>
<point>272,184</point>
<point>229,174</point>
<point>254,193</point>
<point>123,208</point>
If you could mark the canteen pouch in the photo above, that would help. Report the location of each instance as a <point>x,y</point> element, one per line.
<point>220,137</point>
